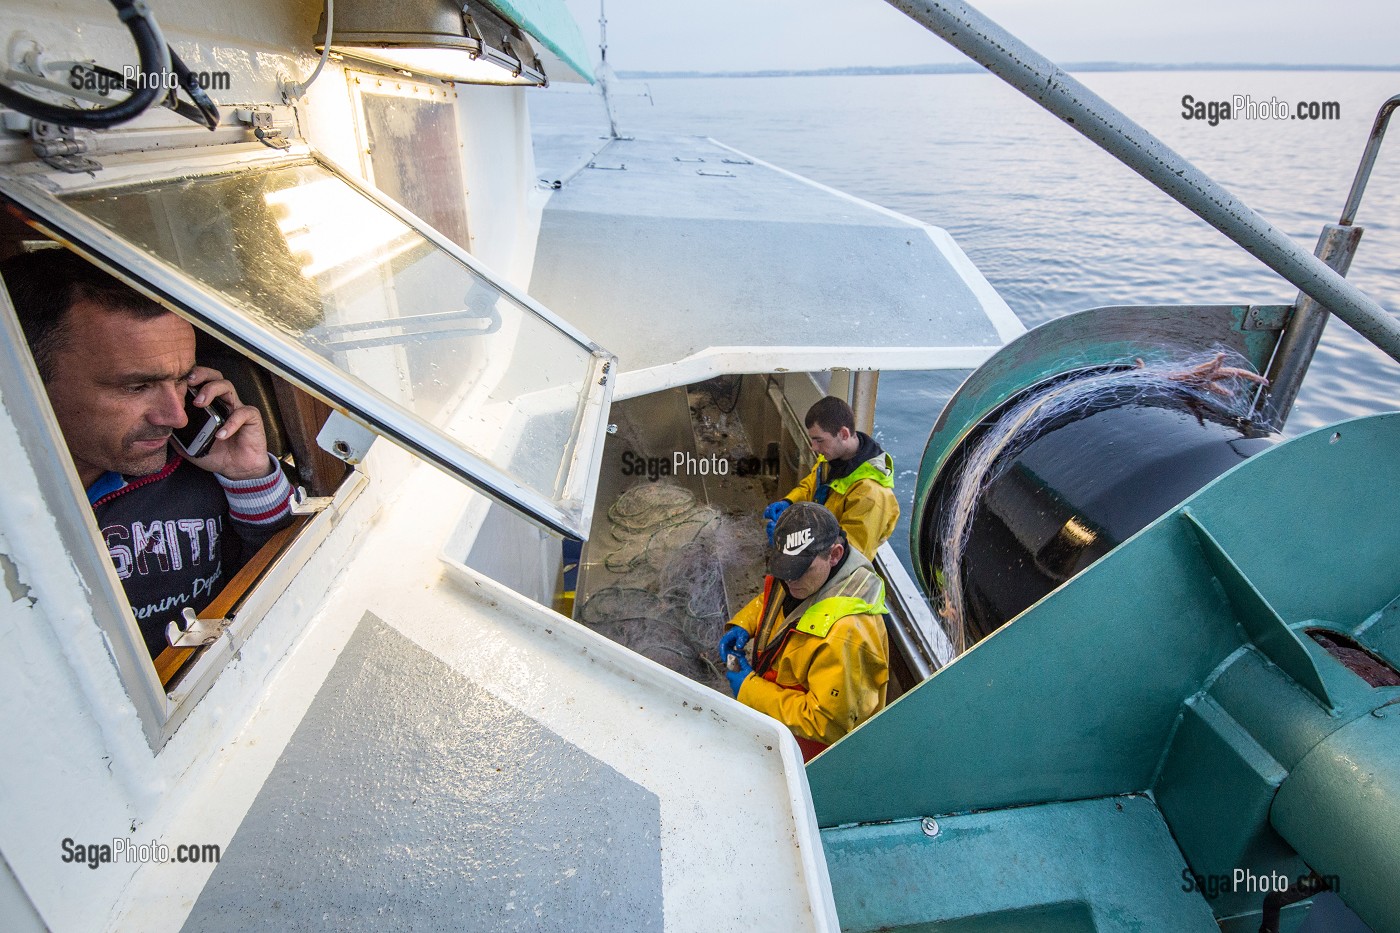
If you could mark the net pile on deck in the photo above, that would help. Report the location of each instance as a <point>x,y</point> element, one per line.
<point>667,557</point>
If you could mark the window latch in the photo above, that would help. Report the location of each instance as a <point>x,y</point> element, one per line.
<point>196,632</point>
<point>302,504</point>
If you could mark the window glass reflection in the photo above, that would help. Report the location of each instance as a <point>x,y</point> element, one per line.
<point>301,252</point>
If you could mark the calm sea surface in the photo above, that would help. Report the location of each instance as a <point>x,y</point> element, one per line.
<point>1053,222</point>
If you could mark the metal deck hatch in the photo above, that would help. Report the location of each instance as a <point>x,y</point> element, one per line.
<point>347,294</point>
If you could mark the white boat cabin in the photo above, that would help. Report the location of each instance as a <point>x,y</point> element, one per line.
<point>384,719</point>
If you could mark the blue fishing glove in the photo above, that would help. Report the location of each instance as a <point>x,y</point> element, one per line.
<point>737,678</point>
<point>733,642</point>
<point>772,514</point>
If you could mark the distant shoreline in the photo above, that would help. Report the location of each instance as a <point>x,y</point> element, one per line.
<point>969,68</point>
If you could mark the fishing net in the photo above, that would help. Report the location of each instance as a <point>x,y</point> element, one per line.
<point>645,507</point>
<point>1221,380</point>
<point>620,604</point>
<point>668,559</point>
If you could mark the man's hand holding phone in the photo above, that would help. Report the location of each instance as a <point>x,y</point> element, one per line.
<point>224,436</point>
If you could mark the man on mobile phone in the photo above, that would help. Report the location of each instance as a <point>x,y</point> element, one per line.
<point>120,370</point>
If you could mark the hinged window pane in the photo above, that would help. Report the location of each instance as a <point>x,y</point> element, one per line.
<point>344,293</point>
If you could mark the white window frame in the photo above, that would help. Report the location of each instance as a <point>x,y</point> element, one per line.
<point>159,711</point>
<point>37,190</point>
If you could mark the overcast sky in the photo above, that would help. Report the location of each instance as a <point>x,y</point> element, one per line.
<point>735,35</point>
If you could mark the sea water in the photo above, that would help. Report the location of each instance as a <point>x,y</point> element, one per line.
<point>1054,223</point>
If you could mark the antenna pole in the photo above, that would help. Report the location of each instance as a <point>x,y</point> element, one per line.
<point>604,73</point>
<point>603,29</point>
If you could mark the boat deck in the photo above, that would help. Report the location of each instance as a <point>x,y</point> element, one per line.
<point>689,259</point>
<point>447,753</point>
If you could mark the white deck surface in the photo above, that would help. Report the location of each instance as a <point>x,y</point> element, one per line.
<point>493,715</point>
<point>689,259</point>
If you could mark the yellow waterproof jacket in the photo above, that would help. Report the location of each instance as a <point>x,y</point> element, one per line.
<point>863,501</point>
<point>825,673</point>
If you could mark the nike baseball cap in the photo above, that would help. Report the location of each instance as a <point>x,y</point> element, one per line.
<point>804,531</point>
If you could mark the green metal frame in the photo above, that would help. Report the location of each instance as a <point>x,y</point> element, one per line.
<point>1175,669</point>
<point>551,22</point>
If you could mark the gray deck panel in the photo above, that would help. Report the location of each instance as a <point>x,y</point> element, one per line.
<point>410,798</point>
<point>662,177</point>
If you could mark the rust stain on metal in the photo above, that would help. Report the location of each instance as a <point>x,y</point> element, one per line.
<point>1355,658</point>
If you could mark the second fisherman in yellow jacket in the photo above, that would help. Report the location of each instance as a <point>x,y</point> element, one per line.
<point>853,478</point>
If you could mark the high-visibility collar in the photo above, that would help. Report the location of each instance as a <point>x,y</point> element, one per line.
<point>859,592</point>
<point>854,589</point>
<point>879,468</point>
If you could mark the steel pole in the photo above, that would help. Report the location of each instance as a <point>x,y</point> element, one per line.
<point>865,384</point>
<point>1296,347</point>
<point>1368,160</point>
<point>1016,63</point>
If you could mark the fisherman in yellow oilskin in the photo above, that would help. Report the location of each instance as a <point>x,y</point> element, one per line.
<point>820,652</point>
<point>854,478</point>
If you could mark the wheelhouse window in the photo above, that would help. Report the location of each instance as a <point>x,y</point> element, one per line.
<point>337,291</point>
<point>167,549</point>
<point>332,298</point>
<point>412,150</point>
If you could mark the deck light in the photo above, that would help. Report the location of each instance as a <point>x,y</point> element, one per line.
<point>464,42</point>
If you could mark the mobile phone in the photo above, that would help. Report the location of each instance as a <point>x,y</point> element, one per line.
<point>196,438</point>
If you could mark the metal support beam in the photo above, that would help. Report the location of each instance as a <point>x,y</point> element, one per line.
<point>1010,59</point>
<point>1368,160</point>
<point>840,386</point>
<point>1336,247</point>
<point>865,384</point>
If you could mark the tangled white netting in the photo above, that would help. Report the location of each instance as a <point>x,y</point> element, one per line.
<point>668,558</point>
<point>1219,379</point>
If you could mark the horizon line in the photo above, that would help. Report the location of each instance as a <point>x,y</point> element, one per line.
<point>972,68</point>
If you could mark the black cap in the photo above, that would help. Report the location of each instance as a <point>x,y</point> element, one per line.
<point>803,532</point>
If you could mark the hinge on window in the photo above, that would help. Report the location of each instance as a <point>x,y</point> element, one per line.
<point>265,128</point>
<point>62,147</point>
<point>196,632</point>
<point>302,504</point>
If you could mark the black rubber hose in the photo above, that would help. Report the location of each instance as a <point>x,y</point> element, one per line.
<point>152,57</point>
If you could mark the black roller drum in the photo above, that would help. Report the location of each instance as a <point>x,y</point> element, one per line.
<point>1078,486</point>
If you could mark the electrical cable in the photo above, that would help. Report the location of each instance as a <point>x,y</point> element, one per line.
<point>166,52</point>
<point>298,91</point>
<point>154,58</point>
